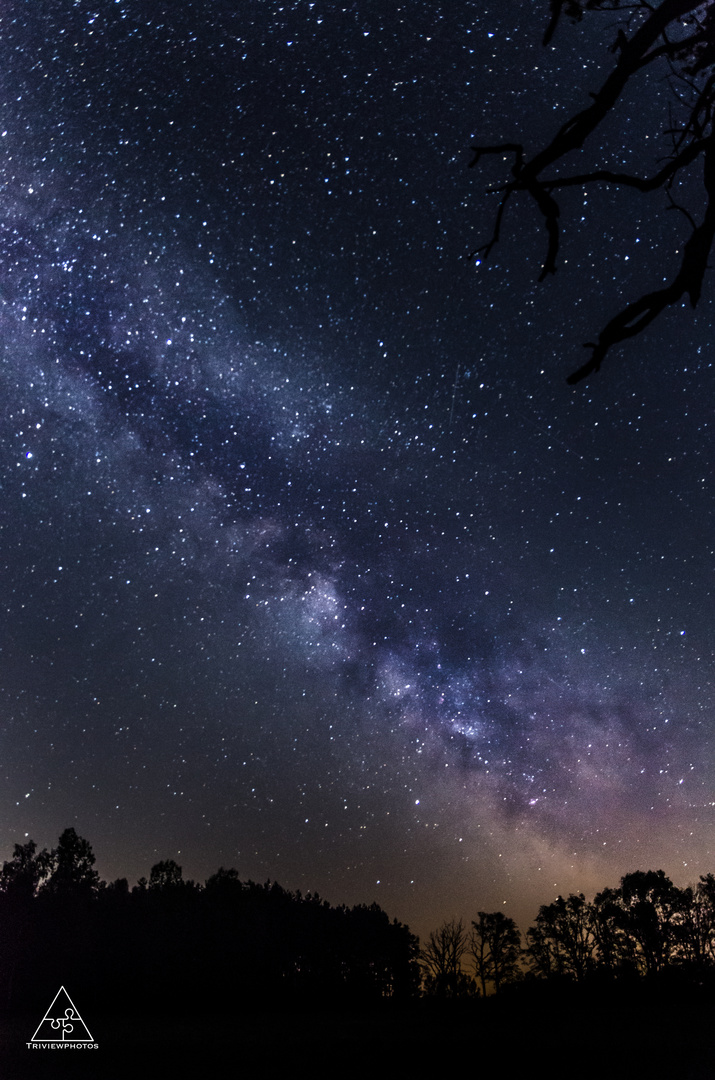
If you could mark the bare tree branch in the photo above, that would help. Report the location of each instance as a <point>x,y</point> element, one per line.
<point>657,36</point>
<point>689,279</point>
<point>691,152</point>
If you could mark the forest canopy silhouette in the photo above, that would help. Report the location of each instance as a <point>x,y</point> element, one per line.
<point>674,40</point>
<point>239,941</point>
<point>253,944</point>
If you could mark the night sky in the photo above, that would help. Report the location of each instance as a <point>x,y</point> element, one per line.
<point>312,563</point>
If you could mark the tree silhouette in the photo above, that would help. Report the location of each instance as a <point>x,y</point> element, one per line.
<point>441,959</point>
<point>563,942</point>
<point>651,905</point>
<point>73,870</point>
<point>495,945</point>
<point>616,949</point>
<point>674,37</point>
<point>166,875</point>
<point>21,876</point>
<point>542,952</point>
<point>20,879</point>
<point>695,931</point>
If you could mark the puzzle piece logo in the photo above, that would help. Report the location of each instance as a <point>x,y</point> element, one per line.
<point>62,1022</point>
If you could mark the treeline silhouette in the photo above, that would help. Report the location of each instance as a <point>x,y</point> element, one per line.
<point>170,945</point>
<point>173,945</point>
<point>647,927</point>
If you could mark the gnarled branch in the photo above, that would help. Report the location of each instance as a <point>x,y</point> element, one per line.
<point>692,141</point>
<point>689,280</point>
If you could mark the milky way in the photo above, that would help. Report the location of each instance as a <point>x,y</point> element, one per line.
<point>312,563</point>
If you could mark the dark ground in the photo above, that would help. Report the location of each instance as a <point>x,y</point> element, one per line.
<point>641,1034</point>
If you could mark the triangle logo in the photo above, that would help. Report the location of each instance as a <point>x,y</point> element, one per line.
<point>62,1022</point>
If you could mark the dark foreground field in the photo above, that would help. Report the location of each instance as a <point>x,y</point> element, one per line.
<point>639,1033</point>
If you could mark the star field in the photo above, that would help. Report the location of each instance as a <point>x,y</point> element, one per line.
<point>312,565</point>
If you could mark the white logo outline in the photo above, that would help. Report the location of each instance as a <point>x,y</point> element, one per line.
<point>66,1023</point>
